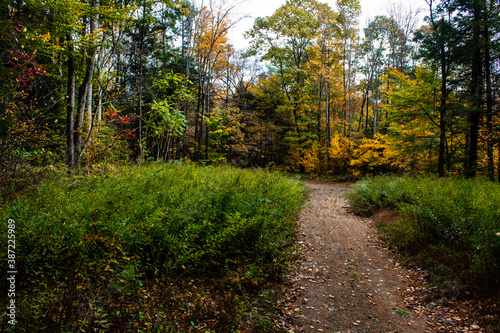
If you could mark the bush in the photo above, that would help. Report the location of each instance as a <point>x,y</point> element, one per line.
<point>123,228</point>
<point>456,217</point>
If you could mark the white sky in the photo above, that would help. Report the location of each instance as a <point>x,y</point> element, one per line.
<point>256,8</point>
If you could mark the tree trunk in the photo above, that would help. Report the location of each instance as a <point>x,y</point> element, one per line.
<point>197,118</point>
<point>367,109</point>
<point>83,91</point>
<point>140,83</point>
<point>70,108</point>
<point>374,106</point>
<point>88,105</point>
<point>360,122</point>
<point>442,111</point>
<point>489,100</point>
<point>206,114</point>
<point>328,134</point>
<point>141,150</point>
<point>476,95</point>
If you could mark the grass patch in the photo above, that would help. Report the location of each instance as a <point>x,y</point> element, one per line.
<point>151,248</point>
<point>402,313</point>
<point>452,226</point>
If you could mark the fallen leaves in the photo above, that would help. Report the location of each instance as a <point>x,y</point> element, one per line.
<point>342,283</point>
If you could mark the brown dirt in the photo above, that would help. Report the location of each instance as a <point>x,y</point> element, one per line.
<point>346,281</point>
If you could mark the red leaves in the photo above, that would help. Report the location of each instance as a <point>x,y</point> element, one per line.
<point>23,63</point>
<point>110,115</point>
<point>122,121</point>
<point>128,133</point>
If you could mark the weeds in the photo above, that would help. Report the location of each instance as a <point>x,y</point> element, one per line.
<point>402,313</point>
<point>113,251</point>
<point>450,225</point>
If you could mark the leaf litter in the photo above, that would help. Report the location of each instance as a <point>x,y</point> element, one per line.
<point>346,280</point>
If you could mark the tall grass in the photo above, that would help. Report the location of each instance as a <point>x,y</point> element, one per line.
<point>453,224</point>
<point>114,232</point>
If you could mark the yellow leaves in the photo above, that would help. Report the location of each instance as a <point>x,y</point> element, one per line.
<point>339,147</point>
<point>362,156</point>
<point>310,160</point>
<point>371,154</point>
<point>307,159</point>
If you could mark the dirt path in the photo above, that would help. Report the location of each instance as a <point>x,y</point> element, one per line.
<point>346,282</point>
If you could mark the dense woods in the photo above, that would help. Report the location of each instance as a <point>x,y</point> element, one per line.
<point>129,111</point>
<point>86,82</point>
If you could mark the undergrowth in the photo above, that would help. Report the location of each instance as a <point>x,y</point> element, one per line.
<point>452,226</point>
<point>157,248</point>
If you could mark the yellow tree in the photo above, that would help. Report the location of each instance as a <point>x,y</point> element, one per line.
<point>413,116</point>
<point>349,11</point>
<point>287,40</point>
<point>323,65</point>
<point>210,52</point>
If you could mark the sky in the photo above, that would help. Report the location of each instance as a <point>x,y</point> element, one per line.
<point>260,8</point>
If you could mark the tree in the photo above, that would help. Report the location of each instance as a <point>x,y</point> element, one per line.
<point>148,48</point>
<point>401,28</point>
<point>285,39</point>
<point>210,51</point>
<point>24,125</point>
<point>166,122</point>
<point>349,11</point>
<point>288,40</point>
<point>438,44</point>
<point>414,115</point>
<point>324,63</point>
<point>373,49</point>
<point>491,38</point>
<point>479,20</point>
<point>460,42</point>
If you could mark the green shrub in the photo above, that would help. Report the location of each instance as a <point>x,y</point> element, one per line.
<point>123,228</point>
<point>461,217</point>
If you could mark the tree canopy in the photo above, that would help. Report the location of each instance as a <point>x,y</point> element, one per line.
<point>93,81</point>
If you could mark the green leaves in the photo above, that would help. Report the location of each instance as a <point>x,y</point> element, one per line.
<point>167,119</point>
<point>136,226</point>
<point>448,218</point>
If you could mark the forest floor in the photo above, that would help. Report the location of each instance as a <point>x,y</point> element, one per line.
<point>347,281</point>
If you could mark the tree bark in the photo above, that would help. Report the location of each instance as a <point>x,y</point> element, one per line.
<point>83,91</point>
<point>70,107</point>
<point>489,99</point>
<point>328,133</point>
<point>442,110</point>
<point>476,95</point>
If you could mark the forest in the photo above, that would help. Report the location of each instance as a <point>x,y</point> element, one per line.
<point>137,143</point>
<point>85,82</point>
